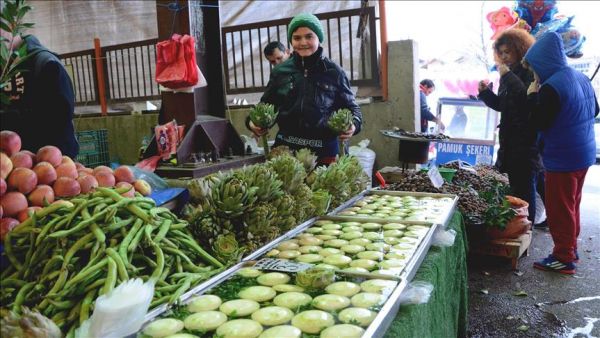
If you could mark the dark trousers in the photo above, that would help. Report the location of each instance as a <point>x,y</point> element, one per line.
<point>562,206</point>
<point>524,183</point>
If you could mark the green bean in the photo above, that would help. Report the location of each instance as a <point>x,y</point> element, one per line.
<point>46,228</point>
<point>86,272</point>
<point>166,270</point>
<point>42,213</point>
<point>120,224</point>
<point>159,301</point>
<point>20,298</point>
<point>203,254</point>
<point>59,318</point>
<point>75,247</point>
<point>136,239</point>
<point>74,313</point>
<point>12,282</point>
<point>179,226</point>
<point>125,243</point>
<point>111,277</point>
<point>132,208</point>
<point>178,265</point>
<point>8,250</point>
<point>81,225</point>
<point>162,232</point>
<point>120,264</point>
<point>160,261</point>
<point>146,259</point>
<point>95,285</point>
<point>184,287</point>
<point>84,313</point>
<point>62,305</point>
<point>177,252</point>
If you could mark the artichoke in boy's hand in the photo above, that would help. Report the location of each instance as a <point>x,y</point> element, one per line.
<point>263,115</point>
<point>340,122</point>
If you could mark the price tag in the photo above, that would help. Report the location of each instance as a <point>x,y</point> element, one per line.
<point>434,175</point>
<point>281,265</point>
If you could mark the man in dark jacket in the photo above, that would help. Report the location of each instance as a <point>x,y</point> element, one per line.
<point>563,108</point>
<point>426,87</point>
<point>306,90</point>
<point>41,101</point>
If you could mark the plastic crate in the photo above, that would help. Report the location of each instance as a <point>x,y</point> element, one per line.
<point>93,147</point>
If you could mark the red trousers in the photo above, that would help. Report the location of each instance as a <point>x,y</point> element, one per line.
<point>563,196</point>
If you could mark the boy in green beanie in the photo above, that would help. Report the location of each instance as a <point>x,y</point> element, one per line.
<point>306,89</point>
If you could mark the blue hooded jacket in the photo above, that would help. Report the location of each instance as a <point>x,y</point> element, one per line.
<point>569,143</point>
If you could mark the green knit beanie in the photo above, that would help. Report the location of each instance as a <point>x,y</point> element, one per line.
<point>306,20</point>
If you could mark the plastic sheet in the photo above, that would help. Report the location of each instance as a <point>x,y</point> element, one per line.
<point>443,238</point>
<point>416,293</point>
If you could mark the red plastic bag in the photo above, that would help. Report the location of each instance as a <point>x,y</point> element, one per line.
<point>176,62</point>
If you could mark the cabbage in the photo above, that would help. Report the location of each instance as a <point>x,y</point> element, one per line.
<point>325,237</point>
<point>394,226</point>
<point>351,228</point>
<point>257,293</point>
<point>371,226</point>
<point>351,235</point>
<point>287,288</point>
<point>330,251</point>
<point>309,258</point>
<point>363,263</point>
<point>352,249</point>
<point>204,303</point>
<point>360,241</point>
<point>309,249</point>
<point>292,300</point>
<point>273,278</point>
<point>287,245</point>
<point>372,236</point>
<point>332,232</point>
<point>382,247</point>
<point>337,260</point>
<point>355,269</point>
<point>205,320</point>
<point>314,230</point>
<point>331,226</point>
<point>346,289</point>
<point>367,299</point>
<point>282,331</point>
<point>323,222</point>
<point>392,263</point>
<point>336,243</point>
<point>311,241</point>
<point>289,254</point>
<point>249,272</point>
<point>372,255</point>
<point>273,315</point>
<point>360,316</point>
<point>239,307</point>
<point>163,327</point>
<point>313,321</point>
<point>329,302</point>
<point>377,285</point>
<point>342,330</point>
<point>392,233</point>
<point>237,328</point>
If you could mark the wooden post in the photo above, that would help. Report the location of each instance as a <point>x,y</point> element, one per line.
<point>100,76</point>
<point>384,50</point>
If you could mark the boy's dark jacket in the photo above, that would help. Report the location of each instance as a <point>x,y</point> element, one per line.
<point>42,102</point>
<point>518,137</point>
<point>305,92</point>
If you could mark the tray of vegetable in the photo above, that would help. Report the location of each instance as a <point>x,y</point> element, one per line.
<point>375,248</point>
<point>401,206</point>
<point>250,302</point>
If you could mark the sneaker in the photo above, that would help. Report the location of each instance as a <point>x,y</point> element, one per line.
<point>576,257</point>
<point>541,226</point>
<point>552,264</point>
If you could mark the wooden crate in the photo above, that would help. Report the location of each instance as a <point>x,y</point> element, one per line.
<point>508,248</point>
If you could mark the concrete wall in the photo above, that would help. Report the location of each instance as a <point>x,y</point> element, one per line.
<point>125,133</point>
<point>401,109</point>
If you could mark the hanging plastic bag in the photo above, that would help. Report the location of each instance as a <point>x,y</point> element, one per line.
<point>176,62</point>
<point>365,156</point>
<point>416,293</point>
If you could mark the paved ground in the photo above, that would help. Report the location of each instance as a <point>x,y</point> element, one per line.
<point>533,303</point>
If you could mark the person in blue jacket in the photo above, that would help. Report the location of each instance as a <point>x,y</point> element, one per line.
<point>426,87</point>
<point>306,90</point>
<point>42,101</point>
<point>563,106</point>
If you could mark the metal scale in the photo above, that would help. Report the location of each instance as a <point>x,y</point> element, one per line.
<point>211,144</point>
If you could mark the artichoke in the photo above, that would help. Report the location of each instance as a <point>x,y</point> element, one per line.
<point>29,324</point>
<point>334,180</point>
<point>279,151</point>
<point>258,221</point>
<point>304,209</point>
<point>263,115</point>
<point>357,177</point>
<point>284,218</point>
<point>226,249</point>
<point>261,176</point>
<point>290,171</point>
<point>315,278</point>
<point>339,122</point>
<point>231,197</point>
<point>307,158</point>
<point>321,200</point>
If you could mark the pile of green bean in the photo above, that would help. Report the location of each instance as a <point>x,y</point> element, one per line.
<point>69,253</point>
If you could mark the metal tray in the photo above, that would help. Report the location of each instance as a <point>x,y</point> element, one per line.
<point>443,221</point>
<point>393,134</point>
<point>377,328</point>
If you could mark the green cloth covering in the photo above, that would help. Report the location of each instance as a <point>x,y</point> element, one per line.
<point>445,315</point>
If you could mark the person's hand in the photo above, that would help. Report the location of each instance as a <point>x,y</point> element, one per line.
<point>257,131</point>
<point>348,133</point>
<point>441,125</point>
<point>533,87</point>
<point>483,85</point>
<point>502,69</point>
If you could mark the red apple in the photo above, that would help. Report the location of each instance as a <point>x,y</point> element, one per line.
<point>10,142</point>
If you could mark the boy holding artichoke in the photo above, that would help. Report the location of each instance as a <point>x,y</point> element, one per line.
<point>306,90</point>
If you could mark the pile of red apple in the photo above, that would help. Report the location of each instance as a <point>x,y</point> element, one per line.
<point>30,181</point>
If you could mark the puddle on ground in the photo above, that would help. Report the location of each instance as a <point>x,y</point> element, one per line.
<point>583,331</point>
